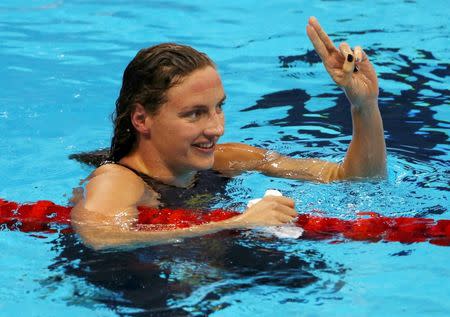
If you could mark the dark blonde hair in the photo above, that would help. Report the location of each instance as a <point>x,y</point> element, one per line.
<point>146,80</point>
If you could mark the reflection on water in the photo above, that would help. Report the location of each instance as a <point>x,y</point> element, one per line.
<point>411,127</point>
<point>200,275</point>
<point>171,279</point>
<point>415,135</point>
<point>62,62</point>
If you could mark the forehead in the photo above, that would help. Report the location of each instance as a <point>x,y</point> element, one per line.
<point>204,83</point>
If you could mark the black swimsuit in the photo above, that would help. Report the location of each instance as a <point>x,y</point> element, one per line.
<point>207,190</point>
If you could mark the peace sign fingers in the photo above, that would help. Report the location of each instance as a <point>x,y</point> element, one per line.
<point>320,40</point>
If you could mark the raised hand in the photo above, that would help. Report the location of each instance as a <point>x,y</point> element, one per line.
<point>350,69</point>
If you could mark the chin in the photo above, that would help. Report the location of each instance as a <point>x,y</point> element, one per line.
<point>202,166</point>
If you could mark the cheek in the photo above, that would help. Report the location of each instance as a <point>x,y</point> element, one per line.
<point>176,135</point>
<point>175,130</point>
<point>223,124</point>
<point>181,135</point>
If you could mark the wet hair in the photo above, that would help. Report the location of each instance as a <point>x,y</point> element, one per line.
<point>146,80</point>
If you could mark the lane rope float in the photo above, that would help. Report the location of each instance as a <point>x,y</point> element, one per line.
<point>47,217</point>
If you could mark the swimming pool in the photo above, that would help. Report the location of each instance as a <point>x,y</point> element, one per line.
<point>62,64</point>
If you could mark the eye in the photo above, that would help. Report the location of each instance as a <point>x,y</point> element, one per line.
<point>220,106</point>
<point>195,114</point>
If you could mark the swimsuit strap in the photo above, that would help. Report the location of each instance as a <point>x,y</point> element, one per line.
<point>207,188</point>
<point>152,182</point>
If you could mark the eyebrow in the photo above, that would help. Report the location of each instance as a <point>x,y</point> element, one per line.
<point>223,99</point>
<point>201,106</point>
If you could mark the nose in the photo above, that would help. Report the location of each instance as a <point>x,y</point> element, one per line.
<point>215,127</point>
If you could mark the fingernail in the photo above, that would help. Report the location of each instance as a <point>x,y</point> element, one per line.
<point>349,58</point>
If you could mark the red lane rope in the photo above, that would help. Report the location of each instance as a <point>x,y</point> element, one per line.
<point>45,216</point>
<point>41,216</point>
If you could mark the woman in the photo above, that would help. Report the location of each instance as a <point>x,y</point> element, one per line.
<point>167,125</point>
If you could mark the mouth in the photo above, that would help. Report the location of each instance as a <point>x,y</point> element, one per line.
<point>205,146</point>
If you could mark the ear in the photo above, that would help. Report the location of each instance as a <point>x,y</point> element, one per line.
<point>141,120</point>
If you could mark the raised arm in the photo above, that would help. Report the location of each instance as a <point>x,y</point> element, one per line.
<point>366,154</point>
<point>353,72</point>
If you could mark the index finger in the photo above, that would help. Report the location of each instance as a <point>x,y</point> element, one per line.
<point>327,42</point>
<point>317,42</point>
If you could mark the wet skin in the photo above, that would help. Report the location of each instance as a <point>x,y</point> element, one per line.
<point>181,139</point>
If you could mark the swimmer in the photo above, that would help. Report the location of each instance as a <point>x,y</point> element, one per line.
<point>167,125</point>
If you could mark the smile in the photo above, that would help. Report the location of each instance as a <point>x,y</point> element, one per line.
<point>205,146</point>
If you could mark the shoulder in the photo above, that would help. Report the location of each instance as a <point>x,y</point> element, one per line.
<point>112,186</point>
<point>115,175</point>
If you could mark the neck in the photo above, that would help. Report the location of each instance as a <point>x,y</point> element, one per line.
<point>147,162</point>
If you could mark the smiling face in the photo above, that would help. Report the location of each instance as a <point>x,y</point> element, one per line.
<point>185,130</point>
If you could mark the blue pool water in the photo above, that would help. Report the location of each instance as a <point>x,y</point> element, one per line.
<point>62,63</point>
